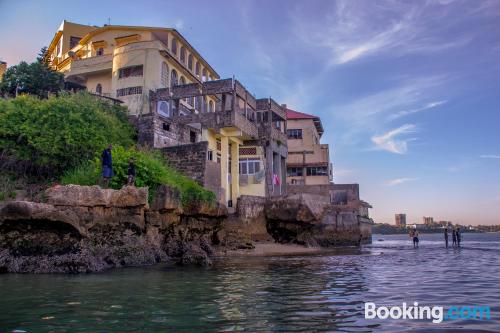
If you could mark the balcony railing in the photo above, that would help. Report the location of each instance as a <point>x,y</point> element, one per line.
<point>90,65</point>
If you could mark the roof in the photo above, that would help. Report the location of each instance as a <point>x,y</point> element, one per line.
<point>292,114</point>
<point>296,115</point>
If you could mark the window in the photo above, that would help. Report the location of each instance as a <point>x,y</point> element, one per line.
<point>211,106</point>
<point>166,126</point>
<point>317,171</point>
<point>163,109</point>
<point>183,54</point>
<point>73,41</point>
<point>164,74</point>
<point>98,89</point>
<point>129,91</point>
<point>197,69</point>
<point>174,46</point>
<point>210,155</point>
<point>204,74</point>
<point>249,166</point>
<point>192,136</point>
<point>130,71</point>
<point>294,133</point>
<point>182,80</point>
<point>190,62</point>
<point>100,51</point>
<point>294,172</point>
<point>173,78</point>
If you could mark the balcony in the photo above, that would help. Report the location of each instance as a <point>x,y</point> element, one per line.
<point>219,120</point>
<point>83,67</point>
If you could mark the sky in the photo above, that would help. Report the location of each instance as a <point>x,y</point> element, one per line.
<point>408,91</point>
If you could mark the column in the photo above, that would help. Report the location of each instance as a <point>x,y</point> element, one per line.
<point>224,160</point>
<point>235,172</point>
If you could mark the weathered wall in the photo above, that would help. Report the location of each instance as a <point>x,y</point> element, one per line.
<point>188,159</point>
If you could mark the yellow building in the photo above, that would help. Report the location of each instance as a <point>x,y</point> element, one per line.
<point>176,99</point>
<point>126,62</point>
<point>308,160</point>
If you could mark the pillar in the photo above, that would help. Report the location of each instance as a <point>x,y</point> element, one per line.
<point>224,160</point>
<point>235,171</point>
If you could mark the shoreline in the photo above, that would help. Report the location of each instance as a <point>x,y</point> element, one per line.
<point>271,249</point>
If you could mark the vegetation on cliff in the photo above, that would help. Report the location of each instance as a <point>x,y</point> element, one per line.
<point>50,136</point>
<point>152,171</point>
<point>42,140</point>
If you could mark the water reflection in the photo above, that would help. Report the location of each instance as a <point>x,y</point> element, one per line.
<point>287,294</point>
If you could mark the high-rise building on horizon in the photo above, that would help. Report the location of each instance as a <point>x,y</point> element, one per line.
<point>428,220</point>
<point>400,219</point>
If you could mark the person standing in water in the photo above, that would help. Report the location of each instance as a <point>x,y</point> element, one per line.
<point>459,237</point>
<point>454,236</point>
<point>414,235</point>
<point>446,236</point>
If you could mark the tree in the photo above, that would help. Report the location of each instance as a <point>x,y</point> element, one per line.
<point>36,78</point>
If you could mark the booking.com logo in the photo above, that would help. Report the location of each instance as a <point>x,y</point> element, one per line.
<point>436,313</point>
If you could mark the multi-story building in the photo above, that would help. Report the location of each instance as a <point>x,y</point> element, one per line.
<point>127,62</point>
<point>428,220</point>
<point>308,159</point>
<point>400,220</point>
<point>3,68</point>
<point>213,130</point>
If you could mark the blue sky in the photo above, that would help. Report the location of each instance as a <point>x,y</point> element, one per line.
<point>408,91</point>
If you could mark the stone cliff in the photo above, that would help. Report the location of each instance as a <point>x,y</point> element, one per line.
<point>87,228</point>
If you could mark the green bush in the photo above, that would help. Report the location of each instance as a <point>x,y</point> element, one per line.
<point>58,133</point>
<point>151,171</point>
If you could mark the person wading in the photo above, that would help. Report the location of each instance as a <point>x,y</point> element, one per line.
<point>107,166</point>
<point>415,238</point>
<point>446,236</point>
<point>459,237</point>
<point>454,237</point>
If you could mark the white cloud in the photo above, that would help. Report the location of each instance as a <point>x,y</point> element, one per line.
<point>389,141</point>
<point>179,24</point>
<point>490,156</point>
<point>398,181</point>
<point>354,30</point>
<point>427,106</point>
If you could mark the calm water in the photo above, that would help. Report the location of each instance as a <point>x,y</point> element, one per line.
<point>307,293</point>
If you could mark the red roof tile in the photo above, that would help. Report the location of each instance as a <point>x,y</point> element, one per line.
<point>292,114</point>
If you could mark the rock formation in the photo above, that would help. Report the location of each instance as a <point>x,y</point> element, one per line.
<point>86,228</point>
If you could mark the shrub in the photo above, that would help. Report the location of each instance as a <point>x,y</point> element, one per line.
<point>58,133</point>
<point>151,171</point>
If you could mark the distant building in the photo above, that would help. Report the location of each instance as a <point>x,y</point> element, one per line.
<point>428,220</point>
<point>308,160</point>
<point>445,223</point>
<point>3,68</point>
<point>400,220</point>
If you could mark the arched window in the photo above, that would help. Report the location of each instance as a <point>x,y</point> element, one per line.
<point>204,75</point>
<point>182,80</point>
<point>190,62</point>
<point>211,106</point>
<point>204,105</point>
<point>173,78</point>
<point>197,70</point>
<point>164,74</point>
<point>163,108</point>
<point>174,46</point>
<point>98,89</point>
<point>183,54</point>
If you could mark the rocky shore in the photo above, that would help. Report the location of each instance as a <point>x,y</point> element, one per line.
<point>89,229</point>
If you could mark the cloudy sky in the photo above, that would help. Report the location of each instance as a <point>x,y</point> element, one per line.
<point>408,91</point>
